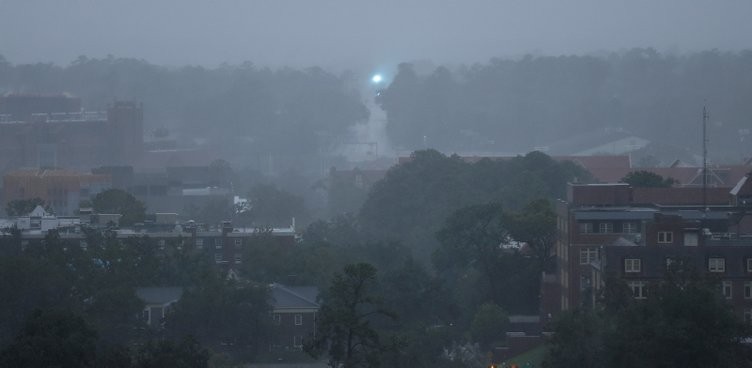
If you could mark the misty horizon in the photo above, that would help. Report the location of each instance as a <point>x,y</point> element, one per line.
<point>341,35</point>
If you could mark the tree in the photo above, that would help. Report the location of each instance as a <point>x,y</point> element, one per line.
<point>473,235</point>
<point>535,225</point>
<point>686,316</point>
<point>223,315</point>
<point>270,206</point>
<point>120,202</point>
<point>489,324</point>
<point>684,322</point>
<point>578,341</point>
<point>52,339</point>
<point>21,207</point>
<point>647,179</point>
<point>345,320</point>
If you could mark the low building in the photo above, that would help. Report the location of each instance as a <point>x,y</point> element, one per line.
<point>294,314</point>
<point>157,303</point>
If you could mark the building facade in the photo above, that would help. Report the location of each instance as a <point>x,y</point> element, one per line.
<point>53,131</point>
<point>62,190</point>
<point>633,234</point>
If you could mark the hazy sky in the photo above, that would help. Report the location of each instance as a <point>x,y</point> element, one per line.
<point>340,33</point>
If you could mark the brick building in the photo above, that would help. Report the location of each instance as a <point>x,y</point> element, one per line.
<point>615,230</point>
<point>53,131</point>
<point>294,314</point>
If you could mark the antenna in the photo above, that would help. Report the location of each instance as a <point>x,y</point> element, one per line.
<point>705,117</point>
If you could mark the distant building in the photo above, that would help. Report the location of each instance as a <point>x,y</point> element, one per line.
<point>53,131</point>
<point>62,190</point>
<point>224,244</point>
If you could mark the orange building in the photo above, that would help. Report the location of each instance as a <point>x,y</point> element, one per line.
<point>61,189</point>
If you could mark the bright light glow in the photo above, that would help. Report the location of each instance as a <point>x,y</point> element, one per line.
<point>377,78</point>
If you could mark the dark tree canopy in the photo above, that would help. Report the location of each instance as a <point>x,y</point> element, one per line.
<point>52,339</point>
<point>684,322</point>
<point>515,104</point>
<point>21,207</point>
<point>346,333</point>
<point>647,179</point>
<point>118,201</point>
<point>415,198</point>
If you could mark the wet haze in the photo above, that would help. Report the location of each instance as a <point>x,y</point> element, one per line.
<point>346,33</point>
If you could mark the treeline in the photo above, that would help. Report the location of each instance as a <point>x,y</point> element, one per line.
<point>684,322</point>
<point>280,111</point>
<point>425,275</point>
<point>514,105</point>
<point>415,198</point>
<point>506,105</point>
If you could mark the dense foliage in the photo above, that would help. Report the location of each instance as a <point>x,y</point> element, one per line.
<point>647,179</point>
<point>684,322</point>
<point>513,105</point>
<point>416,197</point>
<point>252,109</point>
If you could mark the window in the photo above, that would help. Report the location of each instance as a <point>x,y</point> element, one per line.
<point>218,257</point>
<point>639,289</point>
<point>690,239</point>
<point>297,341</point>
<point>277,318</point>
<point>238,258</point>
<point>629,227</point>
<point>238,242</point>
<point>748,290</point>
<point>218,243</point>
<point>298,319</point>
<point>588,255</point>
<point>632,265</point>
<point>726,289</point>
<point>585,227</point>
<point>161,243</point>
<point>748,316</point>
<point>200,243</point>
<point>717,264</point>
<point>749,264</point>
<point>84,246</point>
<point>665,237</point>
<point>606,227</point>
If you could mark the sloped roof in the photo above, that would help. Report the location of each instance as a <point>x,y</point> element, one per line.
<point>294,297</point>
<point>159,295</point>
<point>38,211</point>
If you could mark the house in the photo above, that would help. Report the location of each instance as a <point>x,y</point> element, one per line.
<point>157,302</point>
<point>633,234</point>
<point>294,315</point>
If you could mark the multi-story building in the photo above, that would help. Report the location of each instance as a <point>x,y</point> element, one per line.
<point>54,131</point>
<point>632,234</point>
<point>62,190</point>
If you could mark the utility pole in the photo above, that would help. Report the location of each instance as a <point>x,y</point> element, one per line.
<point>705,117</point>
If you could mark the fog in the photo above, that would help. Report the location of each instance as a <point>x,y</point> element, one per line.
<point>355,34</point>
<point>352,184</point>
